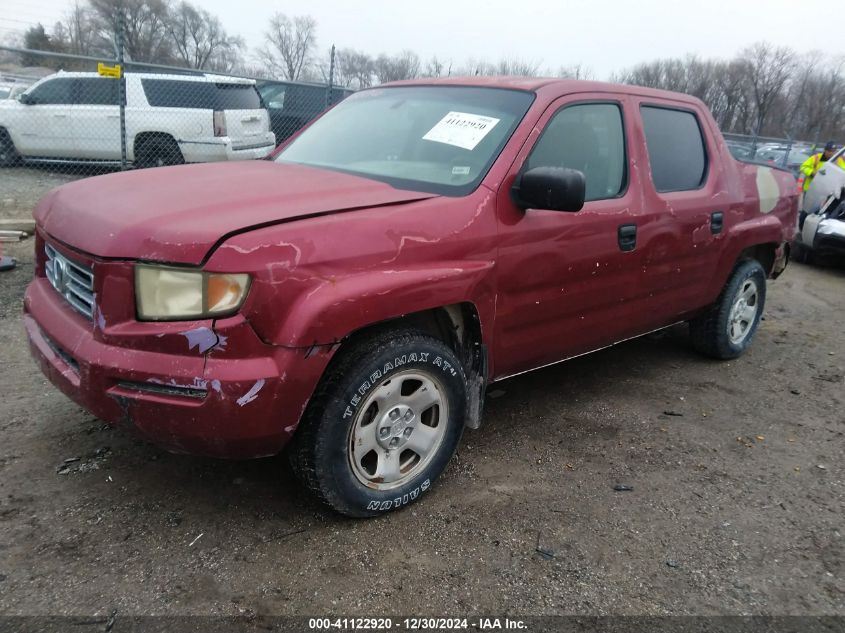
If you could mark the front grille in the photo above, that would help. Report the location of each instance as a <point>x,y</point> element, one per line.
<point>72,280</point>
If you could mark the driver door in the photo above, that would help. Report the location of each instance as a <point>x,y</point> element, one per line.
<point>568,282</point>
<point>45,128</point>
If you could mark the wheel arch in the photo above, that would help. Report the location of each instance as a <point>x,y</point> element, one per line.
<point>459,326</point>
<point>765,253</point>
<point>760,239</point>
<point>141,137</point>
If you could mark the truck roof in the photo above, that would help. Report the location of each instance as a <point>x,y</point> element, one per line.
<point>549,86</point>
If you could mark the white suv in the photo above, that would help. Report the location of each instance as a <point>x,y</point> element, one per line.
<point>170,119</point>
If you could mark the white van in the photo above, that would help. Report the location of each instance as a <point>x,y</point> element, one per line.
<point>170,119</point>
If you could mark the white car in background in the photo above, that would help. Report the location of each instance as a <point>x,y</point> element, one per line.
<point>170,119</point>
<point>10,90</point>
<point>828,181</point>
<point>821,230</point>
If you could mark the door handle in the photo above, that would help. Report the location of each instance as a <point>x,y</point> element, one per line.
<point>717,222</point>
<point>627,237</point>
<point>60,116</point>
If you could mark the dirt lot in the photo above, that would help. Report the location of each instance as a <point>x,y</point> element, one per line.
<point>737,503</point>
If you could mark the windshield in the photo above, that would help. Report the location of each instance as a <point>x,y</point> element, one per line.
<point>438,139</point>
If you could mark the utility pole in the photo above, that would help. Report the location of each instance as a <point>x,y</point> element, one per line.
<point>121,26</point>
<point>331,79</point>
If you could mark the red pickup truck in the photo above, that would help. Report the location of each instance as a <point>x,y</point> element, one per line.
<point>355,293</point>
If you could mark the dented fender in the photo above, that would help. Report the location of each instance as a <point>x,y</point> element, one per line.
<point>316,282</point>
<point>334,309</point>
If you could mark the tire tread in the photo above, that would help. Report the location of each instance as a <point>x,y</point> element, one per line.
<point>308,443</point>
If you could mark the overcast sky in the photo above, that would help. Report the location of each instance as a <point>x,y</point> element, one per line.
<point>606,36</point>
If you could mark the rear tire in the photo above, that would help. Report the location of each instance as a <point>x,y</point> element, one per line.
<point>383,423</point>
<point>726,330</point>
<point>9,156</point>
<point>158,151</point>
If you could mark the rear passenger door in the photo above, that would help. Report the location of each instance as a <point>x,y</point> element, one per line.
<point>686,209</point>
<point>96,118</point>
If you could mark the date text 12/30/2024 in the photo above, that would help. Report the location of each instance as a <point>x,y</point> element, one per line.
<point>415,624</point>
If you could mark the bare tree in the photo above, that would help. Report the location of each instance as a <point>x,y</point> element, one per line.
<point>199,40</point>
<point>769,68</point>
<point>289,45</point>
<point>576,71</point>
<point>505,66</point>
<point>405,65</point>
<point>435,67</point>
<point>145,28</point>
<point>73,33</point>
<point>732,103</point>
<point>353,69</point>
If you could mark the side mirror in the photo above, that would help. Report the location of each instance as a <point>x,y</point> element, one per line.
<point>26,99</point>
<point>552,188</point>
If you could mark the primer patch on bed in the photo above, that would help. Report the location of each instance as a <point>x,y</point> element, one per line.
<point>767,189</point>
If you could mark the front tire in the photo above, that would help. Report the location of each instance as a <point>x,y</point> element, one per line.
<point>9,156</point>
<point>384,422</point>
<point>725,331</point>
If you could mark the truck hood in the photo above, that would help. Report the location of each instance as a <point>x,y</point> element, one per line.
<point>178,214</point>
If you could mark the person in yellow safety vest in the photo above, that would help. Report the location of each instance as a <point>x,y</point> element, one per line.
<point>811,166</point>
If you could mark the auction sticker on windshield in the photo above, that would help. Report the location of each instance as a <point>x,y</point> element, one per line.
<point>461,129</point>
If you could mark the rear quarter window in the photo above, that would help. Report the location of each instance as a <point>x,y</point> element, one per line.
<point>168,93</point>
<point>675,148</point>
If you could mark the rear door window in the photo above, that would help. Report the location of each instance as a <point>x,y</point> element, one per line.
<point>97,91</point>
<point>675,148</point>
<point>168,93</point>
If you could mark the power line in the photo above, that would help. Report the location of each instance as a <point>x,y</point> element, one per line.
<point>2,19</point>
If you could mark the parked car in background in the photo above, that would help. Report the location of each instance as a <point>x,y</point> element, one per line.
<point>292,105</point>
<point>170,119</point>
<point>785,156</point>
<point>827,182</point>
<point>822,234</point>
<point>739,150</point>
<point>11,90</point>
<point>354,296</point>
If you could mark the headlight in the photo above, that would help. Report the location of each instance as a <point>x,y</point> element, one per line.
<point>172,294</point>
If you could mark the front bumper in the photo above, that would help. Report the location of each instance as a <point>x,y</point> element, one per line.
<point>243,399</point>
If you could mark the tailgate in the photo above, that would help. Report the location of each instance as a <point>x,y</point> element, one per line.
<point>247,128</point>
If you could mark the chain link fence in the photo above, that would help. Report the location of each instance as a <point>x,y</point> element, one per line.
<point>83,116</point>
<point>786,153</point>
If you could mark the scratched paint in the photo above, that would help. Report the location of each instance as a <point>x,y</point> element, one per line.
<point>252,394</point>
<point>202,338</point>
<point>99,318</point>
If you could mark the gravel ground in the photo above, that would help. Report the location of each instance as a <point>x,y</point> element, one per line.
<point>736,467</point>
<point>20,189</point>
